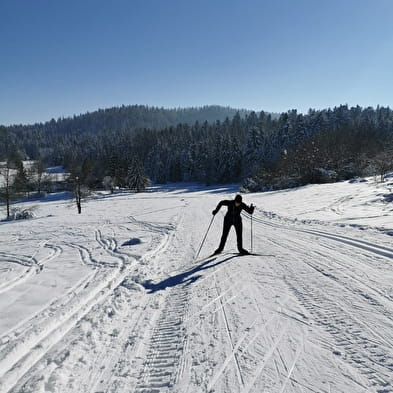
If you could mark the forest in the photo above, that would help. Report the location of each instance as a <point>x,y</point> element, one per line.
<point>127,147</point>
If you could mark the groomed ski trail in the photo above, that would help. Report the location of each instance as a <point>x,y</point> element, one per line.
<point>312,313</point>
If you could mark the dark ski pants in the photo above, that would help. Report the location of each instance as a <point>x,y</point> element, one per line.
<point>239,233</point>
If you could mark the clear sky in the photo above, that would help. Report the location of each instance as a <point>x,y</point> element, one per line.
<point>65,57</point>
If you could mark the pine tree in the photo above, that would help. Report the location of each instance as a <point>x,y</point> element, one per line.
<point>21,181</point>
<point>136,177</point>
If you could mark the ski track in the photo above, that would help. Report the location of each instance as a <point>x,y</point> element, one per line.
<point>324,267</point>
<point>243,344</point>
<point>345,263</point>
<point>228,332</point>
<point>362,244</point>
<point>121,374</point>
<point>35,265</point>
<point>357,342</point>
<point>21,356</point>
<point>20,260</point>
<point>151,350</point>
<point>350,333</point>
<point>153,346</point>
<point>18,357</point>
<point>167,343</point>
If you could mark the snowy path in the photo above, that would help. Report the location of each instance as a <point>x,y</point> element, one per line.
<point>312,313</point>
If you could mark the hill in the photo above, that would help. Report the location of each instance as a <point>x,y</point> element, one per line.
<point>274,152</point>
<point>112,300</point>
<point>131,117</point>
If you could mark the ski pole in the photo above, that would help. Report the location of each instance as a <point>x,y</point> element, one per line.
<point>251,233</point>
<point>203,241</point>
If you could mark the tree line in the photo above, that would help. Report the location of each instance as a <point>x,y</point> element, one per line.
<point>37,139</point>
<point>262,150</point>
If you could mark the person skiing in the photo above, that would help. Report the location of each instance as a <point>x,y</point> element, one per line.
<point>232,217</point>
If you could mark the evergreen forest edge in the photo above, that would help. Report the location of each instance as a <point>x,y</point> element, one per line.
<point>211,145</point>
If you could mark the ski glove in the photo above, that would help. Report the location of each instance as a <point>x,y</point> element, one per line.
<point>252,208</point>
<point>214,212</point>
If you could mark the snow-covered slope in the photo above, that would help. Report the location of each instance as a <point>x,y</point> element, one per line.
<point>113,301</point>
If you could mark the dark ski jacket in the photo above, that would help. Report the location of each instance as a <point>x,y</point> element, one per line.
<point>233,213</point>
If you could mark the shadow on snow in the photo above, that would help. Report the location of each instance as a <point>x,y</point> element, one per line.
<point>186,278</point>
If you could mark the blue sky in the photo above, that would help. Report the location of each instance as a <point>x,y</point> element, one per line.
<point>65,57</point>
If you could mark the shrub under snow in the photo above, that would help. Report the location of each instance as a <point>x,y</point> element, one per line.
<point>22,214</point>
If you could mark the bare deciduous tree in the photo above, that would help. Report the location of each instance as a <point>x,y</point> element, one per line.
<point>383,162</point>
<point>7,177</point>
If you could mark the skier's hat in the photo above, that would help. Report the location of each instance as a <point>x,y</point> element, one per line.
<point>238,198</point>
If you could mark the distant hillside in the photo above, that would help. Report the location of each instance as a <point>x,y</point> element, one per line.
<point>130,118</point>
<point>209,145</point>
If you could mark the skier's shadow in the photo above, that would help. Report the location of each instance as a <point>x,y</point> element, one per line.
<point>186,278</point>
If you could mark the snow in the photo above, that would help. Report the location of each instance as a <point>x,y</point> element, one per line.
<point>112,300</point>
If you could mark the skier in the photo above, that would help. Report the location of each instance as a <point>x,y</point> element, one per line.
<point>233,218</point>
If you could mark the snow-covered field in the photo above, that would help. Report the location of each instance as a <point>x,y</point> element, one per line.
<point>111,301</point>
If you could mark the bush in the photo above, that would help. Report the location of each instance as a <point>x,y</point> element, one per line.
<point>283,182</point>
<point>269,183</point>
<point>322,175</point>
<point>250,185</point>
<point>22,214</point>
